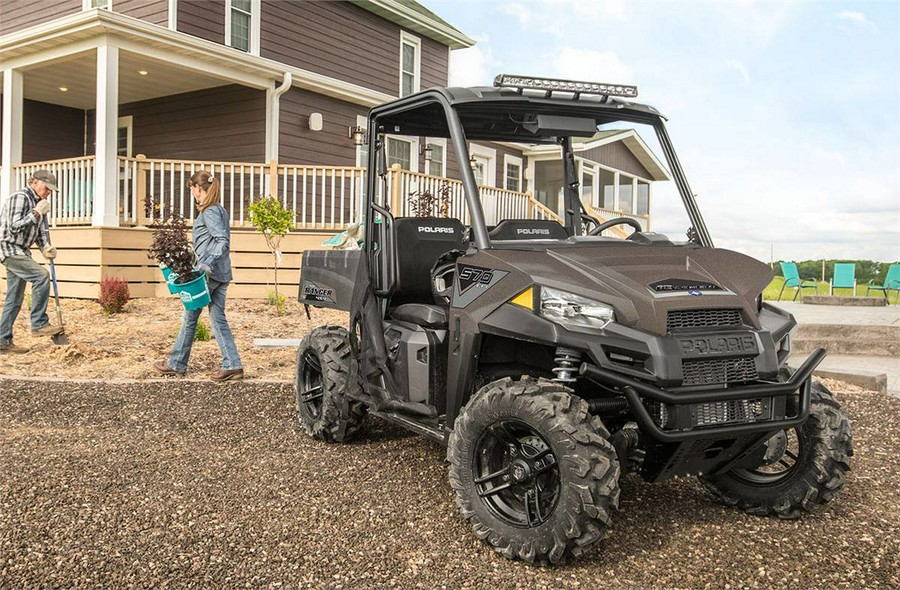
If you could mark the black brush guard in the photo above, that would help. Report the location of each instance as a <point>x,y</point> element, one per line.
<point>634,390</point>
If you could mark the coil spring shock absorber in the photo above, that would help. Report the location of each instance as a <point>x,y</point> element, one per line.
<point>567,361</point>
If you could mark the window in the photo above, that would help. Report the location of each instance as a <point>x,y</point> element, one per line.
<point>643,198</point>
<point>242,25</point>
<point>626,194</point>
<point>607,196</point>
<point>512,166</point>
<point>400,151</point>
<point>123,136</point>
<point>410,63</point>
<point>436,159</point>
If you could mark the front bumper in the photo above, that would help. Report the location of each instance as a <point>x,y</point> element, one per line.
<point>682,406</point>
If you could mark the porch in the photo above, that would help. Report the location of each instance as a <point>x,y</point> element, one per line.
<point>324,200</point>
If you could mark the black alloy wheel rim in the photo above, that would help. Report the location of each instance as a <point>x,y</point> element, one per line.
<point>309,385</point>
<point>782,468</point>
<point>516,474</point>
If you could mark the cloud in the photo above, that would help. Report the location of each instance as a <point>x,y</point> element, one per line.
<point>856,19</point>
<point>594,66</point>
<point>520,12</point>
<point>740,68</point>
<point>473,66</point>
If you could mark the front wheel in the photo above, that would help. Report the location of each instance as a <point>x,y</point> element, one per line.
<point>533,471</point>
<point>325,381</point>
<point>802,467</point>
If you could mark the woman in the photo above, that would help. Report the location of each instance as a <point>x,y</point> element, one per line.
<point>212,234</point>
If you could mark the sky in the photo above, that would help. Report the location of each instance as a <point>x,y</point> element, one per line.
<point>785,116</point>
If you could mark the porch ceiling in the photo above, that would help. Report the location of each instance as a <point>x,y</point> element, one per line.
<point>78,73</point>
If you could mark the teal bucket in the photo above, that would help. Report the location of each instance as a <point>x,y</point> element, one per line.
<point>194,294</point>
<point>169,277</point>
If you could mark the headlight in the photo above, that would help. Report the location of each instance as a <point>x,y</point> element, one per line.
<point>568,309</point>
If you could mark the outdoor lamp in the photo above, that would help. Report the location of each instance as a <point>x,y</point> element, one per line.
<point>427,151</point>
<point>357,134</point>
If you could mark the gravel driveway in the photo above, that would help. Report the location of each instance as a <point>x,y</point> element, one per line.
<point>190,484</point>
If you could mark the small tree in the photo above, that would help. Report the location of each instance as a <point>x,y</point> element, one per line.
<point>270,218</point>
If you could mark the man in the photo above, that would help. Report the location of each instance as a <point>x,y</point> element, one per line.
<point>23,222</point>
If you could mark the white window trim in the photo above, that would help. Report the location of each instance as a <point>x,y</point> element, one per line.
<point>254,25</point>
<point>407,39</point>
<point>491,156</point>
<point>441,141</point>
<point>413,149</point>
<point>86,5</point>
<point>128,123</point>
<point>510,159</point>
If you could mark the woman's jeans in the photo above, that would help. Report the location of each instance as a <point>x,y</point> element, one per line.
<point>21,270</point>
<point>182,350</point>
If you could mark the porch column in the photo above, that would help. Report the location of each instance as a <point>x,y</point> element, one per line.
<point>12,130</point>
<point>106,167</point>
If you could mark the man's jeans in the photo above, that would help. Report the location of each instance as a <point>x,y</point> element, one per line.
<point>178,360</point>
<point>21,270</point>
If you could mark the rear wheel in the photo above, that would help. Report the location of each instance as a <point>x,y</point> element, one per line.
<point>802,467</point>
<point>532,470</point>
<point>324,382</point>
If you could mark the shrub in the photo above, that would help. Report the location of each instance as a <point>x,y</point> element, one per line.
<point>171,246</point>
<point>276,299</point>
<point>114,294</point>
<point>203,332</point>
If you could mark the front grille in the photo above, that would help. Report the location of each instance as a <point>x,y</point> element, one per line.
<point>710,372</point>
<point>713,413</point>
<point>703,318</point>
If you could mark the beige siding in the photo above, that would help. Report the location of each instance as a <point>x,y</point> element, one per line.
<point>616,155</point>
<point>86,255</point>
<point>21,14</point>
<point>152,11</point>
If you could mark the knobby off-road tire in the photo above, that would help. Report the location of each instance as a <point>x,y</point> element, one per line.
<point>796,480</point>
<point>325,377</point>
<point>560,473</point>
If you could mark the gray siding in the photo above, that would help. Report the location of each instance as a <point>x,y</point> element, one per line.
<point>51,132</point>
<point>21,14</point>
<point>227,123</point>
<point>202,18</point>
<point>617,155</point>
<point>329,147</point>
<point>152,11</point>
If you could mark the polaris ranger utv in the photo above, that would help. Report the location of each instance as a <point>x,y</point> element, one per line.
<point>552,358</point>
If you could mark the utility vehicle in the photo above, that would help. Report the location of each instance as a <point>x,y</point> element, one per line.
<point>552,357</point>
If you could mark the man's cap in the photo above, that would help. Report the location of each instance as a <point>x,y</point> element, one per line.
<point>46,177</point>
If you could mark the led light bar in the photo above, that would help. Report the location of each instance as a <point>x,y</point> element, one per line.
<point>549,84</point>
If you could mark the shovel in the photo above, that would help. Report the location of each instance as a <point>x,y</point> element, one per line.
<point>61,338</point>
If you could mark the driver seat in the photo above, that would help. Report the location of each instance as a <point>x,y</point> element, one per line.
<point>420,242</point>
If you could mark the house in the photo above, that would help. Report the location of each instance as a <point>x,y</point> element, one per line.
<point>124,99</point>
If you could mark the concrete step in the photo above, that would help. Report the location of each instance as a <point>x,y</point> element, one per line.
<point>852,340</point>
<point>845,332</point>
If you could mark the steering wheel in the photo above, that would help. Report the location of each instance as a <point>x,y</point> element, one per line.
<point>442,275</point>
<point>634,223</point>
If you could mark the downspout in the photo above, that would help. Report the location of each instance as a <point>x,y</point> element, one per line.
<point>273,118</point>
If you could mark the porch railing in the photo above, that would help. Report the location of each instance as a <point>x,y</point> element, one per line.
<point>322,197</point>
<point>73,204</point>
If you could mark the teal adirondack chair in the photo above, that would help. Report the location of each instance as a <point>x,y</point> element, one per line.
<point>792,279</point>
<point>844,276</point>
<point>891,283</point>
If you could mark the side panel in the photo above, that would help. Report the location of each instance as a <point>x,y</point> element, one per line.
<point>327,278</point>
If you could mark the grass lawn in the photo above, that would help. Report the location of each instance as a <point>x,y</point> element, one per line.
<point>771,292</point>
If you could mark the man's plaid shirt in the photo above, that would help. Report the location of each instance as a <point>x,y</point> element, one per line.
<point>20,227</point>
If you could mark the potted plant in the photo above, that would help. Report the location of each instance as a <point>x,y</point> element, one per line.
<point>172,249</point>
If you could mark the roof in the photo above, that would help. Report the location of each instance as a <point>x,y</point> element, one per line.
<point>411,15</point>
